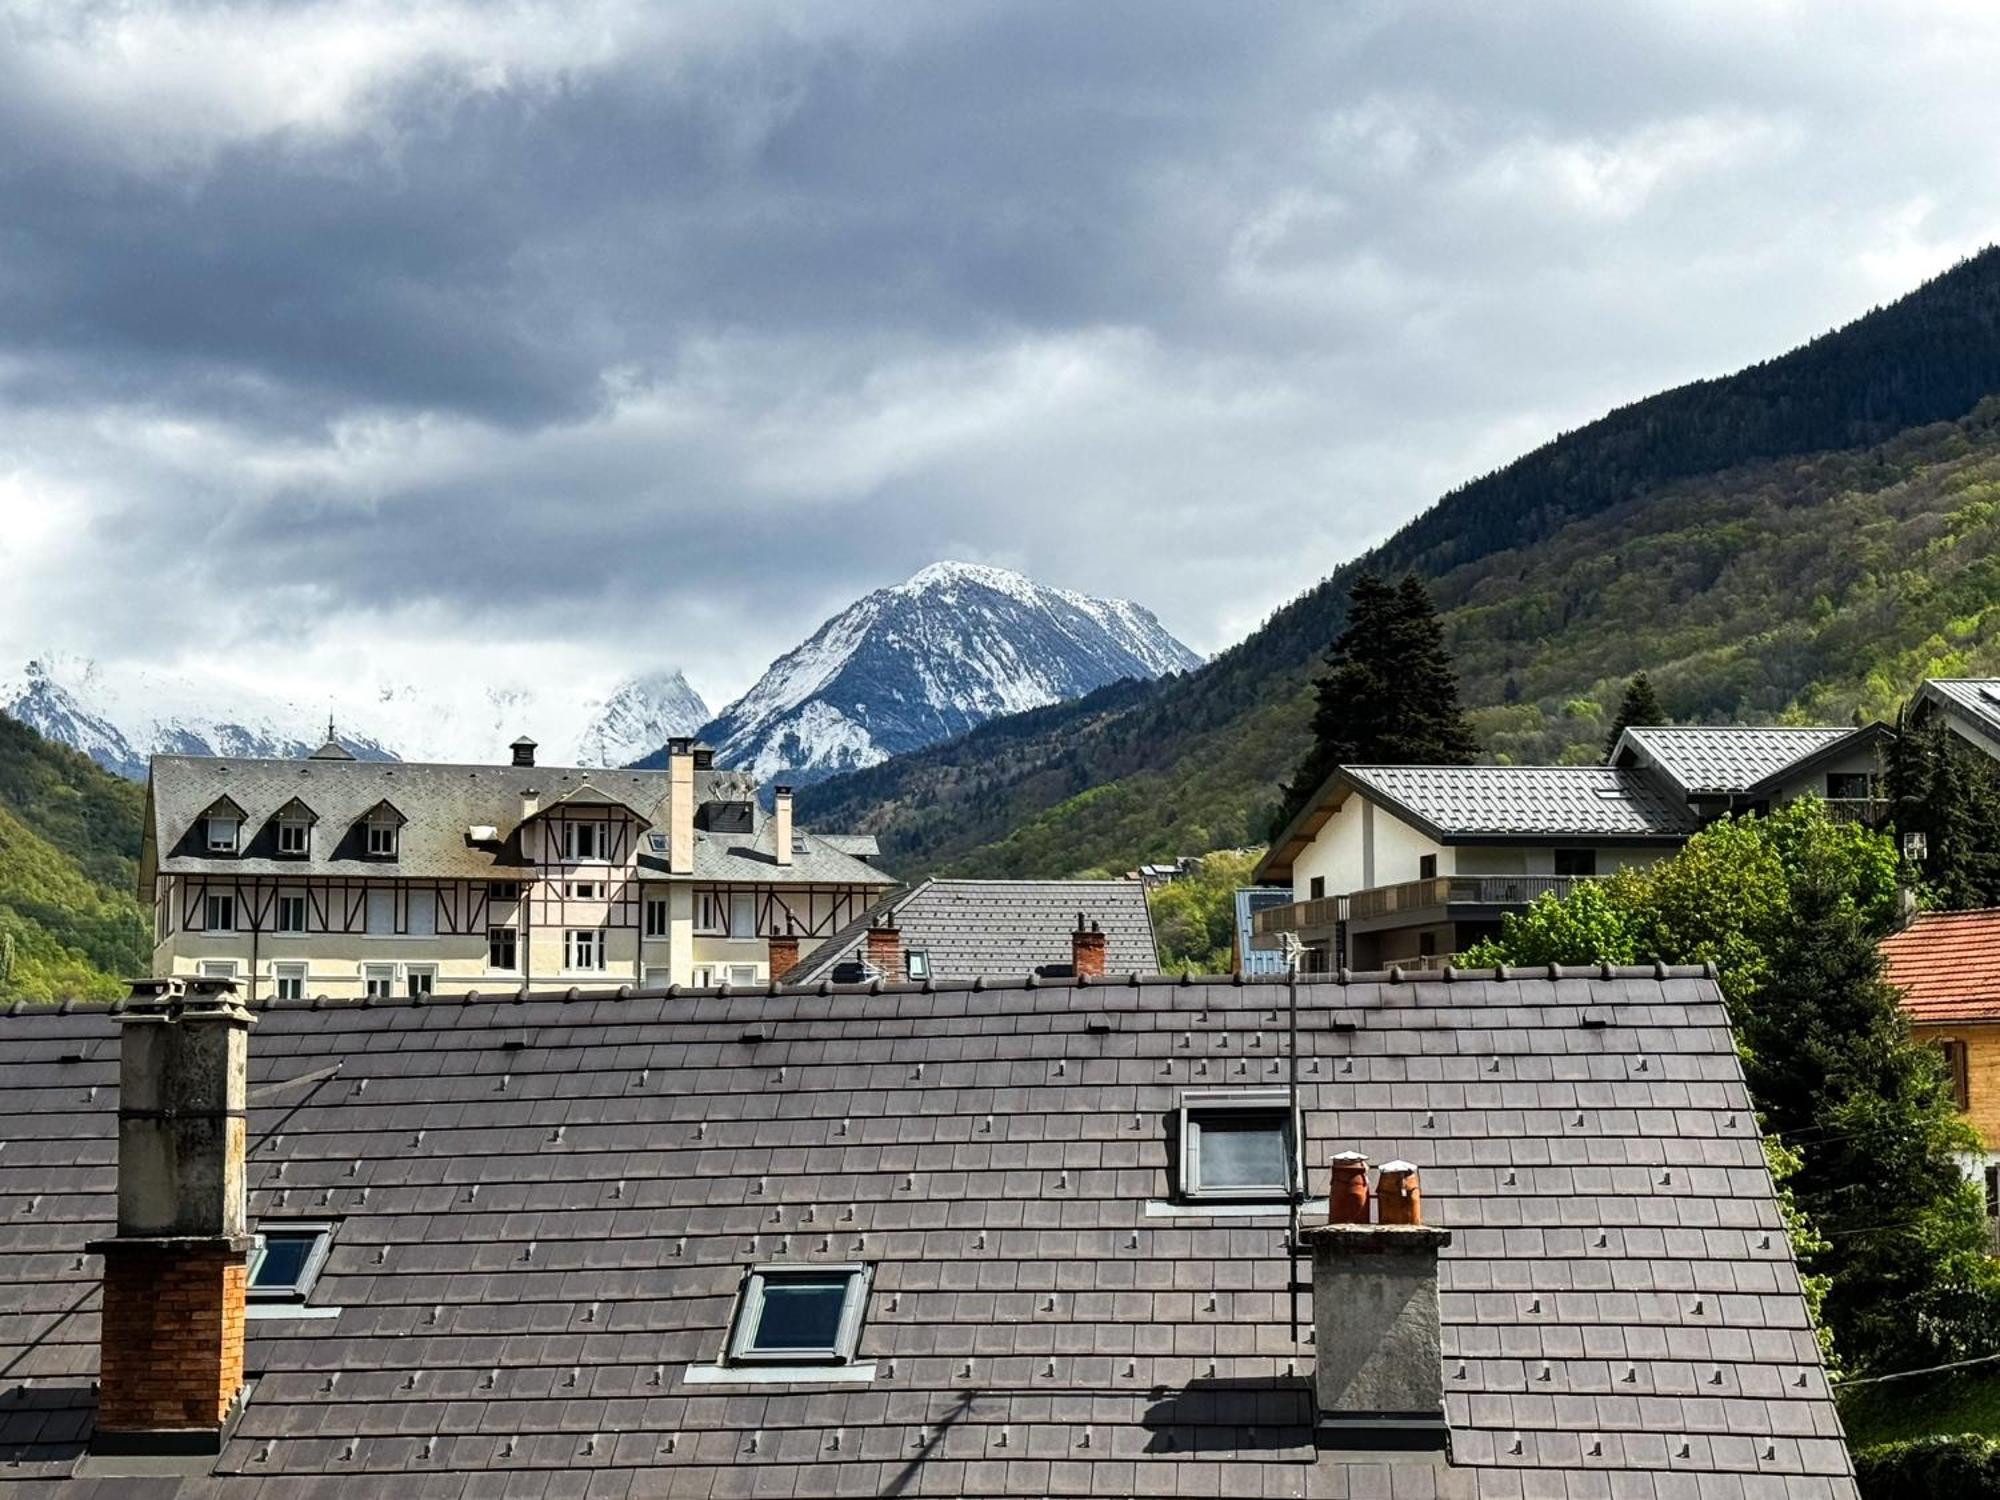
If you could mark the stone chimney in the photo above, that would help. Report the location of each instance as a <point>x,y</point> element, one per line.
<point>176,1274</point>
<point>1086,950</point>
<point>524,751</point>
<point>1379,1368</point>
<point>885,946</point>
<point>781,816</point>
<point>680,807</point>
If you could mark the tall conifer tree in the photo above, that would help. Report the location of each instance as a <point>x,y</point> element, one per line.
<point>1639,707</point>
<point>1389,695</point>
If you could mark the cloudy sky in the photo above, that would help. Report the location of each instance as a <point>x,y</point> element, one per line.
<point>348,342</point>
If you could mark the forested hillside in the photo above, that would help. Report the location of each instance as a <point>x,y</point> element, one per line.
<point>1803,539</point>
<point>69,838</point>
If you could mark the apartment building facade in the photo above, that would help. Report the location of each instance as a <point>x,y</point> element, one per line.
<point>356,879</point>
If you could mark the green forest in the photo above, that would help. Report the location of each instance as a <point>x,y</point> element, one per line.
<point>1803,541</point>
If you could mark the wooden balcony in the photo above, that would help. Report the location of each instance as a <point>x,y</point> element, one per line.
<point>1413,897</point>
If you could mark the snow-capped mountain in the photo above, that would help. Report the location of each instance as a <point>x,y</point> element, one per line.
<point>119,714</point>
<point>911,665</point>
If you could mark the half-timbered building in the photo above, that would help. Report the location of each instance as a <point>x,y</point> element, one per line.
<point>346,878</point>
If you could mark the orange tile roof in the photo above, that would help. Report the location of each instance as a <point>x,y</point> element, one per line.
<point>1947,964</point>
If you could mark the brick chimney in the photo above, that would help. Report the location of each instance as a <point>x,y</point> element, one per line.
<point>680,807</point>
<point>781,816</point>
<point>1378,1365</point>
<point>784,955</point>
<point>1086,950</point>
<point>885,946</point>
<point>176,1274</point>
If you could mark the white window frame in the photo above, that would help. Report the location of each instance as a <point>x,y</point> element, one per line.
<point>426,974</point>
<point>513,942</point>
<point>425,901</point>
<point>658,907</point>
<point>750,1312</point>
<point>577,834</point>
<point>743,904</point>
<point>917,963</point>
<point>304,909</point>
<point>503,892</point>
<point>288,974</point>
<point>217,968</point>
<point>287,829</point>
<point>320,1232</point>
<point>1197,1102</point>
<point>213,901</point>
<point>656,977</point>
<point>370,904</point>
<point>585,890</point>
<point>575,941</point>
<point>217,822</point>
<point>383,837</point>
<point>704,976</point>
<point>741,973</point>
<point>378,981</point>
<point>711,913</point>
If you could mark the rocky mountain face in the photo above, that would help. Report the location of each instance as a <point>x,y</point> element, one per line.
<point>904,667</point>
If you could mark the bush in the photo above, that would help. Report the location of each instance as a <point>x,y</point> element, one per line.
<point>1963,1466</point>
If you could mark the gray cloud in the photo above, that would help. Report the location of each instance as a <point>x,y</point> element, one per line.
<point>651,335</point>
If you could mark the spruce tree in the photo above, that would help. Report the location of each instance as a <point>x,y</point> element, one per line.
<point>1389,695</point>
<point>1952,797</point>
<point>1639,707</point>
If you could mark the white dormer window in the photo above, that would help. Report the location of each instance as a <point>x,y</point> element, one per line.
<point>223,833</point>
<point>583,841</point>
<point>382,838</point>
<point>294,835</point>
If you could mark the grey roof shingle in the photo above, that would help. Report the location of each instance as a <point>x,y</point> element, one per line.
<point>1003,928</point>
<point>546,1208</point>
<point>1728,758</point>
<point>1975,698</point>
<point>1529,801</point>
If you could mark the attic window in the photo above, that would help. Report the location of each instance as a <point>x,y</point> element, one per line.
<point>293,835</point>
<point>382,838</point>
<point>288,1260</point>
<point>917,963</point>
<point>1240,1144</point>
<point>804,1315</point>
<point>222,833</point>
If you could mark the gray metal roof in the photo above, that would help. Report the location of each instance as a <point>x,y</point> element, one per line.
<point>1529,801</point>
<point>1727,758</point>
<point>1977,699</point>
<point>1004,928</point>
<point>1249,901</point>
<point>546,1209</point>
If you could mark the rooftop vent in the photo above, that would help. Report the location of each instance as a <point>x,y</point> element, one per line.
<point>524,751</point>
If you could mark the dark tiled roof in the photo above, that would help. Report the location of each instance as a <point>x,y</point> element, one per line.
<point>1729,758</point>
<point>547,1207</point>
<point>1947,964</point>
<point>1005,928</point>
<point>1530,801</point>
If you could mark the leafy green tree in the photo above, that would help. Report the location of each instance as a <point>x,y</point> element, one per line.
<point>1194,918</point>
<point>1389,695</point>
<point>1790,908</point>
<point>1640,706</point>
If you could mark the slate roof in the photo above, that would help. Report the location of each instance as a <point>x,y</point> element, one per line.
<point>1728,758</point>
<point>441,802</point>
<point>1453,802</point>
<point>1003,928</point>
<point>723,858</point>
<point>547,1207</point>
<point>1947,964</point>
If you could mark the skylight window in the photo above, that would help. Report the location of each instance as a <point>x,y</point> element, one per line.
<point>288,1260</point>
<point>1238,1145</point>
<point>804,1315</point>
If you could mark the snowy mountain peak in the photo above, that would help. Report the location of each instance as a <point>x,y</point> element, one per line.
<point>952,646</point>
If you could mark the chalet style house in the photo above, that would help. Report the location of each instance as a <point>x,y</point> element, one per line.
<point>361,879</point>
<point>1403,864</point>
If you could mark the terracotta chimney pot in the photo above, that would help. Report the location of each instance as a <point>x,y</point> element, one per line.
<point>1398,1200</point>
<point>1347,1196</point>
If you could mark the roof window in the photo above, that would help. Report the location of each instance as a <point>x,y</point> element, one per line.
<point>802,1315</point>
<point>1238,1145</point>
<point>288,1260</point>
<point>223,832</point>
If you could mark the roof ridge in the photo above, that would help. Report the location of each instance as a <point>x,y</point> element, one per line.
<point>577,995</point>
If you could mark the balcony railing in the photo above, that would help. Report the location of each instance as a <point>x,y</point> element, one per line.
<point>1869,810</point>
<point>1413,896</point>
